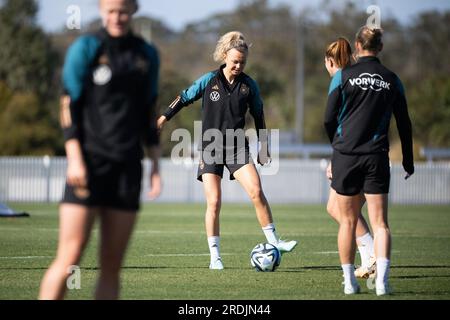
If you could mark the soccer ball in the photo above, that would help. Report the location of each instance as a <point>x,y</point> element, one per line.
<point>265,257</point>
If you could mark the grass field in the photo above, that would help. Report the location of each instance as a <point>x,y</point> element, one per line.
<point>168,256</point>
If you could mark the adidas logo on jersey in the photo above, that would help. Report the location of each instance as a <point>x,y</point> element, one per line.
<point>368,81</point>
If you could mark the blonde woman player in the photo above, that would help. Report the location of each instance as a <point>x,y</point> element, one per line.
<point>228,93</point>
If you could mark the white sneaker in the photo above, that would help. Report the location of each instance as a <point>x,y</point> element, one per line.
<point>216,264</point>
<point>352,289</point>
<point>286,246</point>
<point>383,290</point>
<point>369,271</point>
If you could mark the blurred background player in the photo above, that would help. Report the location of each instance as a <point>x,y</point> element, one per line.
<point>227,95</point>
<point>361,101</point>
<point>111,82</point>
<point>338,55</point>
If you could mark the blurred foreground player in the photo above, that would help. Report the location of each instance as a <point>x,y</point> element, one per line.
<point>111,81</point>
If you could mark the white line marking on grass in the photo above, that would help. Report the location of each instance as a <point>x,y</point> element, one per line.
<point>33,229</point>
<point>183,254</point>
<point>25,257</point>
<point>169,232</point>
<point>326,252</point>
<point>337,252</point>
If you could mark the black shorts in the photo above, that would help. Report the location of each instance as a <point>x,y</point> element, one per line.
<point>214,163</point>
<point>352,174</point>
<point>115,185</point>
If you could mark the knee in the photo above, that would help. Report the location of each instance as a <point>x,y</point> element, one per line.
<point>69,256</point>
<point>379,223</point>
<point>381,228</point>
<point>348,221</point>
<point>256,195</point>
<point>214,203</point>
<point>331,209</point>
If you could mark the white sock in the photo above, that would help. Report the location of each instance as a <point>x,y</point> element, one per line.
<point>365,248</point>
<point>383,266</point>
<point>349,275</point>
<point>214,247</point>
<point>271,234</point>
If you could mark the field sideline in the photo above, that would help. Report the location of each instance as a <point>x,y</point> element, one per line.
<point>168,256</point>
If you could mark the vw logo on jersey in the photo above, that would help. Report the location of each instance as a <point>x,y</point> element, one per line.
<point>368,81</point>
<point>102,75</point>
<point>214,96</point>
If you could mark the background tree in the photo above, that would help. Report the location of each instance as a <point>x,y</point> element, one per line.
<point>27,61</point>
<point>31,61</point>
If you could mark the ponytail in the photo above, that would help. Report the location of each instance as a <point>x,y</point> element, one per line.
<point>340,51</point>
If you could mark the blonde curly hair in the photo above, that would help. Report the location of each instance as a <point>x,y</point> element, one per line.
<point>230,40</point>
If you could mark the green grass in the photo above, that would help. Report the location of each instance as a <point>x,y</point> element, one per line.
<point>154,268</point>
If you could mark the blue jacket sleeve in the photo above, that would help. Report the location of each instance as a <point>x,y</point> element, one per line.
<point>75,71</point>
<point>190,95</point>
<point>333,104</point>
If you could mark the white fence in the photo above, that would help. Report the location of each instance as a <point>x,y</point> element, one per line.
<point>297,181</point>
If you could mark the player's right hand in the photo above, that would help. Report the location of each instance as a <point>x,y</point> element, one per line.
<point>161,121</point>
<point>155,185</point>
<point>77,173</point>
<point>329,172</point>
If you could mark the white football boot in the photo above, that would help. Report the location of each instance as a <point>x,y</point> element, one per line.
<point>352,288</point>
<point>216,264</point>
<point>286,246</point>
<point>368,271</point>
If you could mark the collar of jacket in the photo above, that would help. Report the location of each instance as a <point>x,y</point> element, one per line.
<point>117,42</point>
<point>368,58</point>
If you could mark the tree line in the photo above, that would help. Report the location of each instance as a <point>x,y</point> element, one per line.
<point>31,62</point>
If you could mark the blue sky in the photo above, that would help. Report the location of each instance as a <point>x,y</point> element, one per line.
<point>177,13</point>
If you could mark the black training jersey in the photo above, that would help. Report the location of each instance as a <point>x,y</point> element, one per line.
<point>224,105</point>
<point>361,100</point>
<point>113,85</point>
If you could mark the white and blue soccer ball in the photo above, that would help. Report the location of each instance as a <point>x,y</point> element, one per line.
<point>265,257</point>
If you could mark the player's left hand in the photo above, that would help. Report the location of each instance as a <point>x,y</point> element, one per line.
<point>264,155</point>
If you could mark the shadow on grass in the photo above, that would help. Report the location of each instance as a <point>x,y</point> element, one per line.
<point>425,293</point>
<point>420,267</point>
<point>421,276</point>
<point>289,269</point>
<point>91,268</point>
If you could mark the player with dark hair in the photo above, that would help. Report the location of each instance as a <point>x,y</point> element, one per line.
<point>338,55</point>
<point>111,84</point>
